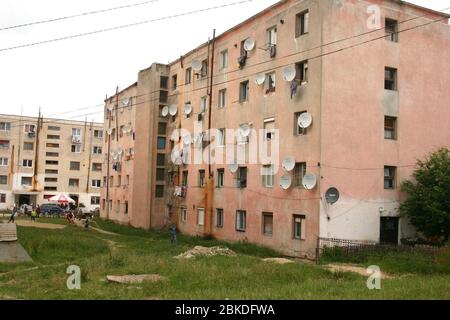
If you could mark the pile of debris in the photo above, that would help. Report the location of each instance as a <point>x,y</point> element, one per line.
<point>204,251</point>
<point>136,278</point>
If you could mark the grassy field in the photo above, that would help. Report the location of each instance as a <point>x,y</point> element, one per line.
<point>245,276</point>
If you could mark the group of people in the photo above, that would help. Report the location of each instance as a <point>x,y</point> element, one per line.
<point>35,212</point>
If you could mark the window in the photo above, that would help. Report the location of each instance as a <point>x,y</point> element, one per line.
<point>244,91</point>
<point>183,214</point>
<point>221,134</point>
<point>204,71</point>
<point>203,104</point>
<point>52,145</point>
<point>5,126</point>
<point>51,179</point>
<point>267,224</point>
<point>51,171</point>
<point>271,36</point>
<point>219,218</point>
<point>4,144</point>
<point>222,98</point>
<point>389,177</point>
<point>269,129</point>
<point>3,179</point>
<point>241,220</point>
<point>201,178</point>
<point>75,148</point>
<point>51,162</point>
<point>74,166</point>
<point>220,178</point>
<point>163,82</point>
<point>162,127</point>
<point>97,150</point>
<point>160,174</point>
<point>76,132</point>
<point>27,163</point>
<point>161,143</point>
<point>126,207</point>
<point>299,131</point>
<point>390,79</point>
<point>174,82</point>
<point>96,167</point>
<point>270,83</point>
<point>184,179</point>
<point>28,146</point>
<point>95,201</point>
<point>301,72</point>
<point>52,154</point>
<point>47,188</point>
<point>74,183</point>
<point>121,128</point>
<point>159,191</point>
<point>3,162</point>
<point>117,207</point>
<point>2,198</point>
<point>299,173</point>
<point>242,177</point>
<point>224,59</point>
<point>111,181</point>
<point>163,95</point>
<point>30,128</point>
<point>201,216</point>
<point>188,76</point>
<point>53,137</point>
<point>96,183</point>
<point>268,176</point>
<point>26,181</point>
<point>127,180</point>
<point>98,134</point>
<point>53,128</point>
<point>119,180</point>
<point>391,30</point>
<point>160,159</point>
<point>298,227</point>
<point>390,128</point>
<point>302,23</point>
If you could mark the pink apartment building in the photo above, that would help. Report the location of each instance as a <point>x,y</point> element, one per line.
<point>371,98</point>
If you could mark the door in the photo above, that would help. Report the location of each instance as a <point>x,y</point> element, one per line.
<point>389,230</point>
<point>24,199</point>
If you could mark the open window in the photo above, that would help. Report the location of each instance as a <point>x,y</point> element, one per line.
<point>302,23</point>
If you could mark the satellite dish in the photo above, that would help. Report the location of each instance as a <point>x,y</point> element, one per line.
<point>187,139</point>
<point>165,111</point>
<point>289,73</point>
<point>332,195</point>
<point>110,130</point>
<point>288,163</point>
<point>187,109</point>
<point>260,78</point>
<point>244,130</point>
<point>286,182</point>
<point>126,102</point>
<point>305,120</point>
<point>249,44</point>
<point>309,181</point>
<point>173,109</point>
<point>196,65</point>
<point>119,151</point>
<point>111,108</point>
<point>176,157</point>
<point>233,167</point>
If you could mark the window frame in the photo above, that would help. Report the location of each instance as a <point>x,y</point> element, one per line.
<point>243,227</point>
<point>219,223</point>
<point>302,20</point>
<point>263,220</point>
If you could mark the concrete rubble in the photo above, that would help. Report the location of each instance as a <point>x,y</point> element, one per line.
<point>205,251</point>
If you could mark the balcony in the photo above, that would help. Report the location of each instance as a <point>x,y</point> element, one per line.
<point>76,139</point>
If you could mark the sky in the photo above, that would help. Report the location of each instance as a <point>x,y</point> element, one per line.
<point>78,73</point>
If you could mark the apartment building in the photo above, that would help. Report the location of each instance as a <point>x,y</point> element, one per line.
<point>351,103</point>
<point>39,158</point>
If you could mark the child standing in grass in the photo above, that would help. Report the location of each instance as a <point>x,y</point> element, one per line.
<point>33,214</point>
<point>173,234</point>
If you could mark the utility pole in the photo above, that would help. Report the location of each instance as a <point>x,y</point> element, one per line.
<point>90,156</point>
<point>36,154</point>
<point>117,114</point>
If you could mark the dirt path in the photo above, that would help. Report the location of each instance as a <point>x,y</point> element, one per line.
<point>80,223</point>
<point>26,223</point>
<point>352,268</point>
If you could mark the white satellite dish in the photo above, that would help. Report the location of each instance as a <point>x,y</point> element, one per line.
<point>187,109</point>
<point>119,151</point>
<point>286,181</point>
<point>233,167</point>
<point>196,65</point>
<point>126,102</point>
<point>289,73</point>
<point>173,109</point>
<point>187,139</point>
<point>305,120</point>
<point>165,111</point>
<point>249,44</point>
<point>110,130</point>
<point>111,108</point>
<point>244,130</point>
<point>288,163</point>
<point>260,79</point>
<point>309,181</point>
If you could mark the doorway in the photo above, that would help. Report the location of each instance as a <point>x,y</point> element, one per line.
<point>389,230</point>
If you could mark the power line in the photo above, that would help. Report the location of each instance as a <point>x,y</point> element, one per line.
<point>125,26</point>
<point>76,15</point>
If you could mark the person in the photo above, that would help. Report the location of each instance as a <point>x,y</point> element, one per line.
<point>38,211</point>
<point>173,234</point>
<point>69,217</point>
<point>25,210</point>
<point>33,214</point>
<point>87,222</point>
<point>13,214</point>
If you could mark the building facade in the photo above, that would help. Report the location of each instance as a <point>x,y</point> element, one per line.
<point>338,86</point>
<point>39,158</point>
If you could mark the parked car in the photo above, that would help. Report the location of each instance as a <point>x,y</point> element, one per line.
<point>52,210</point>
<point>27,207</point>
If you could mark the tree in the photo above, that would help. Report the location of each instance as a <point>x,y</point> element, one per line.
<point>428,197</point>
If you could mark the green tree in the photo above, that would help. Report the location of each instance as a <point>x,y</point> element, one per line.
<point>428,197</point>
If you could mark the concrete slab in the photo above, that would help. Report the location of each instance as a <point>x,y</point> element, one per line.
<point>13,252</point>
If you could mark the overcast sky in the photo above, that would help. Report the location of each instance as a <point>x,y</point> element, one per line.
<point>76,73</point>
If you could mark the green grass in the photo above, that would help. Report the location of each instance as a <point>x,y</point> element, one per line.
<point>134,251</point>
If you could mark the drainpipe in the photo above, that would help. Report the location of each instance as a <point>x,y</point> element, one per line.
<point>36,154</point>
<point>90,157</point>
